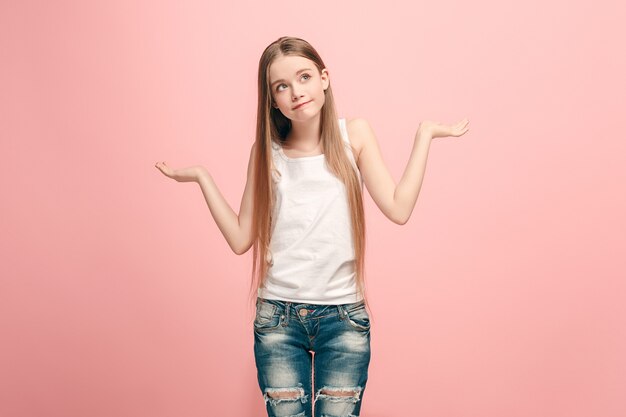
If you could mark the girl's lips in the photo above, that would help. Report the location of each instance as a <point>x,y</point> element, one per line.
<point>300,105</point>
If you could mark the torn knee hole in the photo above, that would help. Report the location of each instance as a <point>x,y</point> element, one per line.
<point>277,395</point>
<point>284,394</point>
<point>338,393</point>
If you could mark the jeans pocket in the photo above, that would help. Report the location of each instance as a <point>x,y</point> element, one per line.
<point>359,318</point>
<point>267,316</point>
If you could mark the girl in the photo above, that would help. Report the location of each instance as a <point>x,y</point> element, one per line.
<point>302,212</point>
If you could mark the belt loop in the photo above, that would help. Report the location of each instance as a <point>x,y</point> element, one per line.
<point>341,312</point>
<point>286,313</point>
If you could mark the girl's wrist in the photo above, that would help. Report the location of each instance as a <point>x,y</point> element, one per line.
<point>423,133</point>
<point>201,174</point>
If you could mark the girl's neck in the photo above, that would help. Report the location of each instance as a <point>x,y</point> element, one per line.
<point>305,135</point>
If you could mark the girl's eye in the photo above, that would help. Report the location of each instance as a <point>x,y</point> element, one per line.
<point>280,85</point>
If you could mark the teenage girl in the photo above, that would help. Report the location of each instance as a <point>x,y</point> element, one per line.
<point>302,212</point>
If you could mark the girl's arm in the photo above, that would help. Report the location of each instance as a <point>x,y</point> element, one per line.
<point>237,229</point>
<point>396,202</point>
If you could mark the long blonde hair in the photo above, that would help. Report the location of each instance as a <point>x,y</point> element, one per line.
<point>272,125</point>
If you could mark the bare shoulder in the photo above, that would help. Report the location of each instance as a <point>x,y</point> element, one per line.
<point>358,129</point>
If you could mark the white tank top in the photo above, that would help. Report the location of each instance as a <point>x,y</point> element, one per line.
<point>311,248</point>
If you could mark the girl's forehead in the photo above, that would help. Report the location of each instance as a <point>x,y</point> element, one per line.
<point>287,65</point>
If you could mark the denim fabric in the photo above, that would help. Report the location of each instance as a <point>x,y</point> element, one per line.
<point>301,349</point>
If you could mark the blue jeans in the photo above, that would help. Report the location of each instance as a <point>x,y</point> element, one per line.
<point>285,336</point>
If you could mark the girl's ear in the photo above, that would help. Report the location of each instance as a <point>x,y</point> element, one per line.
<point>325,78</point>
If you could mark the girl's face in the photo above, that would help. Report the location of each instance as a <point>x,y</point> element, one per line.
<point>295,81</point>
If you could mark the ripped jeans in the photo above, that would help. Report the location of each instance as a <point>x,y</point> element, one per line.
<point>285,336</point>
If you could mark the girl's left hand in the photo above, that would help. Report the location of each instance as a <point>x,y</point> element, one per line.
<point>439,130</point>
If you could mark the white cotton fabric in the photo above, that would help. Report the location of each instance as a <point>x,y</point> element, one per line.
<point>311,248</point>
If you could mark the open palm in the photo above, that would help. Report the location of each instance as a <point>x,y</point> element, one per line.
<point>440,130</point>
<point>189,174</point>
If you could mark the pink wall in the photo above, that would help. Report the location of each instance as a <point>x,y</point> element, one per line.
<point>502,296</point>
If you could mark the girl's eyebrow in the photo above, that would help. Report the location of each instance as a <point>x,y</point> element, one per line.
<point>304,69</point>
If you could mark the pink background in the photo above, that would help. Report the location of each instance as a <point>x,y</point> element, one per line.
<point>502,296</point>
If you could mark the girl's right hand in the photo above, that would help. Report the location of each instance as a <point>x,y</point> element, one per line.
<point>189,174</point>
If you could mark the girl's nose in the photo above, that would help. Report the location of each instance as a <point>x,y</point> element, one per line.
<point>296,94</point>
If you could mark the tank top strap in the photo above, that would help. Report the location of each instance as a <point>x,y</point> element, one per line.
<point>344,130</point>
<point>274,171</point>
<point>344,134</point>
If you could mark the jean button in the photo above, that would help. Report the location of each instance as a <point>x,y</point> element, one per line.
<point>303,312</point>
